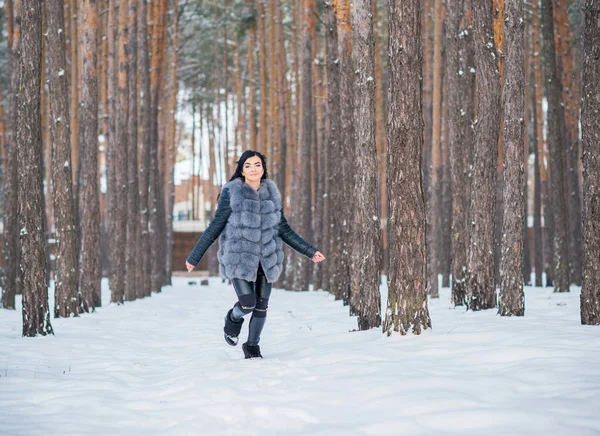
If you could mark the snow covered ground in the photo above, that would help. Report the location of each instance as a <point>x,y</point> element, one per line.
<point>160,366</point>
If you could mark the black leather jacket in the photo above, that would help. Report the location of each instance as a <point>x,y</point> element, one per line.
<point>216,226</point>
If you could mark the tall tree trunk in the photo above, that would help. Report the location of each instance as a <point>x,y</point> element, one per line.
<point>557,142</point>
<point>118,247</point>
<point>481,285</point>
<point>380,132</point>
<point>537,198</point>
<point>132,237</point>
<point>11,283</point>
<point>434,208</point>
<point>407,295</point>
<point>144,260</point>
<point>302,215</point>
<point>90,257</point>
<point>262,75</point>
<point>155,197</point>
<point>36,315</point>
<point>347,140</point>
<point>252,88</point>
<point>548,214</point>
<point>590,141</point>
<point>512,298</point>
<point>283,111</point>
<point>459,106</point>
<point>571,107</point>
<point>74,106</point>
<point>366,248</point>
<point>335,192</point>
<point>171,139</point>
<point>67,298</point>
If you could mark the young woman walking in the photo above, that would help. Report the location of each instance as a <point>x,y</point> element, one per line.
<point>252,227</point>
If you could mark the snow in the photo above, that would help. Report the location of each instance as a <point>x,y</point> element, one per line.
<point>160,366</point>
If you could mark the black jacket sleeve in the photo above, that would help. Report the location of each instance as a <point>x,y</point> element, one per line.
<point>291,238</point>
<point>214,229</point>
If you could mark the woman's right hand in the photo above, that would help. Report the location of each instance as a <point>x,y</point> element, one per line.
<point>189,266</point>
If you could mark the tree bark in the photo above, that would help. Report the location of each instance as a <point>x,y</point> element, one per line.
<point>335,192</point>
<point>143,260</point>
<point>118,232</point>
<point>537,198</point>
<point>460,109</point>
<point>590,141</point>
<point>565,52</point>
<point>407,295</point>
<point>11,283</point>
<point>67,298</point>
<point>132,232</point>
<point>36,316</point>
<point>548,215</point>
<point>90,257</point>
<point>366,248</point>
<point>347,137</point>
<point>263,137</point>
<point>557,142</point>
<point>512,298</point>
<point>380,111</point>
<point>481,292</point>
<point>252,88</point>
<point>434,208</point>
<point>302,215</point>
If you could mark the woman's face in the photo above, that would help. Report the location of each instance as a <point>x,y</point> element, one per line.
<point>253,169</point>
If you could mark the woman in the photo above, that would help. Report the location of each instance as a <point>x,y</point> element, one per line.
<point>251,226</point>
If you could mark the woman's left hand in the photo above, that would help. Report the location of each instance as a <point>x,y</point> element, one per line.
<point>318,257</point>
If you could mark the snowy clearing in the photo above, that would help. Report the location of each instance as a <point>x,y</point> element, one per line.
<point>160,366</point>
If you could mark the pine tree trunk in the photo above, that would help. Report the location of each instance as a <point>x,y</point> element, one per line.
<point>512,298</point>
<point>155,191</point>
<point>36,315</point>
<point>118,247</point>
<point>565,54</point>
<point>557,142</point>
<point>284,128</point>
<point>90,259</point>
<point>347,137</point>
<point>144,260</point>
<point>67,297</point>
<point>366,248</point>
<point>459,106</point>
<point>302,214</point>
<point>434,208</point>
<point>74,105</point>
<point>380,133</point>
<point>252,88</point>
<point>334,248</point>
<point>262,76</point>
<point>590,141</point>
<point>133,201</point>
<point>537,198</point>
<point>407,284</point>
<point>481,284</point>
<point>548,214</point>
<point>172,138</point>
<point>11,282</point>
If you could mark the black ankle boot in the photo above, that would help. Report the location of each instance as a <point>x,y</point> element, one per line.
<point>232,329</point>
<point>251,351</point>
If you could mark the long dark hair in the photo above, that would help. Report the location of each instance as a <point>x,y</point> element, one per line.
<point>243,158</point>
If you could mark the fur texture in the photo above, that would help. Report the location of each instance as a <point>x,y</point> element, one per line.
<point>251,235</point>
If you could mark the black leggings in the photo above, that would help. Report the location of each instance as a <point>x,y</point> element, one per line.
<point>252,297</point>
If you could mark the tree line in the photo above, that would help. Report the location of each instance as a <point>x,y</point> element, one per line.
<point>92,92</point>
<point>293,79</point>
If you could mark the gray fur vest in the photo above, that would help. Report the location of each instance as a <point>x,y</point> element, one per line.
<point>251,235</point>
